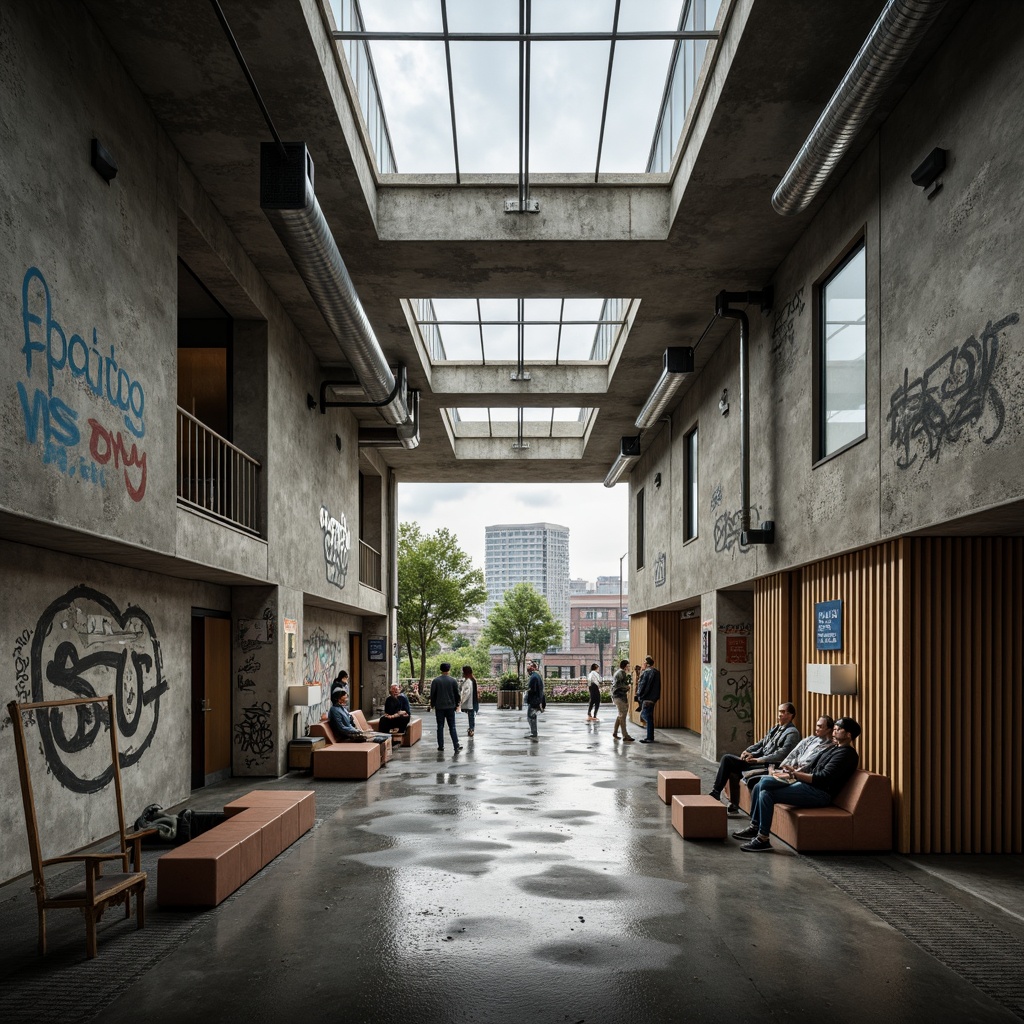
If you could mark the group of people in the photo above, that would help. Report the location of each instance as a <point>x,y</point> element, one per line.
<point>783,768</point>
<point>448,696</point>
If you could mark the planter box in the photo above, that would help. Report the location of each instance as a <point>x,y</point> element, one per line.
<point>510,699</point>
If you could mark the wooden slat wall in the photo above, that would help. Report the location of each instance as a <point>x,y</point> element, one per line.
<point>778,674</point>
<point>689,647</point>
<point>967,712</point>
<point>662,635</point>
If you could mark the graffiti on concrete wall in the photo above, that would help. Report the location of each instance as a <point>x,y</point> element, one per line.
<point>707,711</point>
<point>337,543</point>
<point>254,735</point>
<point>660,569</point>
<point>716,497</point>
<point>244,676</point>
<point>953,401</point>
<point>85,646</point>
<point>727,531</point>
<point>784,323</point>
<point>256,633</point>
<point>737,700</point>
<point>95,450</point>
<point>321,662</point>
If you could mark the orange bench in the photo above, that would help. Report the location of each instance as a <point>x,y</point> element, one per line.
<point>347,760</point>
<point>413,732</point>
<point>206,870</point>
<point>679,783</point>
<point>699,817</point>
<point>859,818</point>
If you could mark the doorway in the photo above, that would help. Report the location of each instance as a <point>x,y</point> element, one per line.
<point>211,697</point>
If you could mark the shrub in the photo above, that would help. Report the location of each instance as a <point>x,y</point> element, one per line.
<point>510,681</point>
<point>573,691</point>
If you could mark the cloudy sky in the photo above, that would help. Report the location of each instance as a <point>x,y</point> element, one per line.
<point>597,517</point>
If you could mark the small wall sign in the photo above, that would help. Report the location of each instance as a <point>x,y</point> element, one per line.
<point>376,648</point>
<point>828,634</point>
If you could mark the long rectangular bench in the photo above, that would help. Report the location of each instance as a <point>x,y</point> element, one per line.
<point>859,818</point>
<point>206,870</point>
<point>347,760</point>
<point>413,732</point>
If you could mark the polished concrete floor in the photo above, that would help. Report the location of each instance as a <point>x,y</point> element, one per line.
<point>538,881</point>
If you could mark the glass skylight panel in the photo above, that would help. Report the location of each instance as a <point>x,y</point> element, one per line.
<point>485,81</point>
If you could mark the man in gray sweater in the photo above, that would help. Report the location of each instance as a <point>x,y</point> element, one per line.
<point>780,739</point>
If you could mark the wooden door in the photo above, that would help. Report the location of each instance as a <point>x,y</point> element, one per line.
<point>211,698</point>
<point>689,644</point>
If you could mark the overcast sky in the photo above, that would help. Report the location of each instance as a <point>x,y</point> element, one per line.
<point>597,517</point>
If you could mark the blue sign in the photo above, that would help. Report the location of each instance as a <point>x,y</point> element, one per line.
<point>829,633</point>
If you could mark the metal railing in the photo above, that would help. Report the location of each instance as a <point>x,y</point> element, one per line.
<point>369,566</point>
<point>215,476</point>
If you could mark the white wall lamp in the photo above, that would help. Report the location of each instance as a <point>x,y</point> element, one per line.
<point>677,365</point>
<point>629,453</point>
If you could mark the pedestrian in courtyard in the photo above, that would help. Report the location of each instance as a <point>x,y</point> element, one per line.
<point>445,700</point>
<point>594,684</point>
<point>470,696</point>
<point>620,698</point>
<point>648,693</point>
<point>815,787</point>
<point>535,699</point>
<point>397,711</point>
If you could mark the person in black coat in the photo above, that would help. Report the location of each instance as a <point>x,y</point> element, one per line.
<point>648,693</point>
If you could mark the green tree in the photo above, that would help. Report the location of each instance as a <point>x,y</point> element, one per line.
<point>523,622</point>
<point>599,635</point>
<point>438,587</point>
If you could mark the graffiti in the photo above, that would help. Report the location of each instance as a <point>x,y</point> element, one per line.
<point>727,532</point>
<point>321,662</point>
<point>783,326</point>
<point>740,702</point>
<point>336,547</point>
<point>54,424</point>
<point>256,633</point>
<point>84,646</point>
<point>716,497</point>
<point>737,629</point>
<point>254,735</point>
<point>660,569</point>
<point>707,712</point>
<point>954,394</point>
<point>22,679</point>
<point>244,680</point>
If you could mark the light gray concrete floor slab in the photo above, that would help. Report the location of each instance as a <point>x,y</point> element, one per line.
<point>540,881</point>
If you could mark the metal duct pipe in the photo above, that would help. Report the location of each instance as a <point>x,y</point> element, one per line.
<point>288,200</point>
<point>766,534</point>
<point>899,28</point>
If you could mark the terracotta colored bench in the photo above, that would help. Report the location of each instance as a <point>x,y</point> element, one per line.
<point>413,732</point>
<point>206,870</point>
<point>859,818</point>
<point>699,817</point>
<point>347,760</point>
<point>672,784</point>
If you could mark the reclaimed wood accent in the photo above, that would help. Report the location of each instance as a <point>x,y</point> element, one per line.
<point>674,643</point>
<point>777,650</point>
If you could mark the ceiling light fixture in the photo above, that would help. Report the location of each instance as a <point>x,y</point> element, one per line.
<point>629,453</point>
<point>677,365</point>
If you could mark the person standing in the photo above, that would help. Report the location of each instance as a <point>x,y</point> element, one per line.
<point>535,700</point>
<point>444,699</point>
<point>594,683</point>
<point>620,698</point>
<point>470,696</point>
<point>648,693</point>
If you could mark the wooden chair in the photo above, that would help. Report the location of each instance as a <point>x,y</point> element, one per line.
<point>96,891</point>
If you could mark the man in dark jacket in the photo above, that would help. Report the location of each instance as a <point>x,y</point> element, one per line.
<point>397,711</point>
<point>445,700</point>
<point>777,742</point>
<point>648,693</point>
<point>814,788</point>
<point>535,699</point>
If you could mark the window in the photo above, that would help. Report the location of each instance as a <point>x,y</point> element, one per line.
<point>690,483</point>
<point>842,362</point>
<point>640,529</point>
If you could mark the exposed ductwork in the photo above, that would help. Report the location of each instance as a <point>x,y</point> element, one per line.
<point>899,28</point>
<point>766,534</point>
<point>288,200</point>
<point>407,435</point>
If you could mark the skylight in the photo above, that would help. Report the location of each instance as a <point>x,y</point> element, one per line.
<point>524,86</point>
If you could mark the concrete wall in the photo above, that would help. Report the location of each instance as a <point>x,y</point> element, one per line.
<point>75,627</point>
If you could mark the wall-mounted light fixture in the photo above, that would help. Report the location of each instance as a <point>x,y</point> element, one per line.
<point>929,170</point>
<point>103,162</point>
<point>676,366</point>
<point>723,402</point>
<point>629,452</point>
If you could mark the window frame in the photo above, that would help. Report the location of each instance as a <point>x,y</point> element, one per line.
<point>640,529</point>
<point>691,484</point>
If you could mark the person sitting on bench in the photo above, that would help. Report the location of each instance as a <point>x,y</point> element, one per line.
<point>397,711</point>
<point>343,725</point>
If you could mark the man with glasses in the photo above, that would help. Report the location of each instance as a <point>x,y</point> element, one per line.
<point>777,742</point>
<point>801,757</point>
<point>808,788</point>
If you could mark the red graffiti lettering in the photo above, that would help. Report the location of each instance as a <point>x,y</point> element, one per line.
<point>103,444</point>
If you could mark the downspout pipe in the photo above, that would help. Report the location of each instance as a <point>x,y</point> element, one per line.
<point>288,200</point>
<point>766,534</point>
<point>897,32</point>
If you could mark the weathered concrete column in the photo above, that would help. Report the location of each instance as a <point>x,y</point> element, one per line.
<point>376,674</point>
<point>727,673</point>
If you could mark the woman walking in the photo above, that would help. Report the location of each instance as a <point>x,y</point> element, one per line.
<point>594,679</point>
<point>470,696</point>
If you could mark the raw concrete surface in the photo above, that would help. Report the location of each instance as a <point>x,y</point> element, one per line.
<point>514,880</point>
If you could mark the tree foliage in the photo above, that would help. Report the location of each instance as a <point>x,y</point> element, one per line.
<point>599,635</point>
<point>438,587</point>
<point>523,623</point>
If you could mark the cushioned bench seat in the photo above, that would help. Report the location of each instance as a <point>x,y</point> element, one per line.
<point>859,818</point>
<point>206,870</point>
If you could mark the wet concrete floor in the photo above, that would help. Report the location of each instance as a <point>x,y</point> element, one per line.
<point>514,880</point>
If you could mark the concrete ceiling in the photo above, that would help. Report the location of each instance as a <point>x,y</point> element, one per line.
<point>671,243</point>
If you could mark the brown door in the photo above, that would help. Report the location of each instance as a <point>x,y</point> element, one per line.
<point>689,643</point>
<point>211,698</point>
<point>355,673</point>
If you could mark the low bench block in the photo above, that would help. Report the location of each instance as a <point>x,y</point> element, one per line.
<point>699,817</point>
<point>344,760</point>
<point>202,873</point>
<point>413,732</point>
<point>679,783</point>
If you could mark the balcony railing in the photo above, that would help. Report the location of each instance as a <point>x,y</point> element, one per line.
<point>369,566</point>
<point>215,476</point>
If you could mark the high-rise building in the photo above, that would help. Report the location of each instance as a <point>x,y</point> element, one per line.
<point>536,553</point>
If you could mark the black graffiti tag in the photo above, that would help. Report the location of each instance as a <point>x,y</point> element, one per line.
<point>728,532</point>
<point>954,394</point>
<point>254,735</point>
<point>127,663</point>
